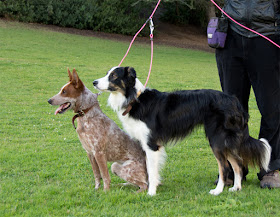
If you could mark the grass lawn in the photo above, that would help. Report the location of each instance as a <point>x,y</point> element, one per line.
<point>44,170</point>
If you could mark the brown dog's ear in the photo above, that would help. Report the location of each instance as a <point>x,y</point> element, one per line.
<point>69,75</point>
<point>76,80</point>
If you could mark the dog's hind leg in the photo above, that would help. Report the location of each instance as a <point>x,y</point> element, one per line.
<point>237,169</point>
<point>95,169</point>
<point>221,183</point>
<point>223,166</point>
<point>132,172</point>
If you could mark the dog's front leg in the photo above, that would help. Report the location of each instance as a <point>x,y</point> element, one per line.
<point>95,169</point>
<point>154,161</point>
<point>102,164</point>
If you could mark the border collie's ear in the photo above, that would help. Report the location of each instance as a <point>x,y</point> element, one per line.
<point>69,75</point>
<point>130,72</point>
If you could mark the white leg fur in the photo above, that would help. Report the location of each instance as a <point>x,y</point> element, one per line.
<point>155,161</point>
<point>237,183</point>
<point>220,186</point>
<point>152,161</point>
<point>237,175</point>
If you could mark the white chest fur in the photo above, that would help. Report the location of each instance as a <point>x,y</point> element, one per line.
<point>135,128</point>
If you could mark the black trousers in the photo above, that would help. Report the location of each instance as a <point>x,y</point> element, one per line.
<point>254,62</point>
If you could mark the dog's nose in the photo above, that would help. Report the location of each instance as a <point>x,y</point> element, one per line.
<point>50,101</point>
<point>95,83</point>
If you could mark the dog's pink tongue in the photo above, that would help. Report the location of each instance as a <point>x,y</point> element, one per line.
<point>58,110</point>
<point>62,108</point>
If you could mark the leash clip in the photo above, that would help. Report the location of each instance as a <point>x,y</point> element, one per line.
<point>152,27</point>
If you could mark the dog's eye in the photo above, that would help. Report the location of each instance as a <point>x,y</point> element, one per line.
<point>63,91</point>
<point>113,76</point>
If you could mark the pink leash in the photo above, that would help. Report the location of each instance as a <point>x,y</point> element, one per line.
<point>277,45</point>
<point>151,37</point>
<point>152,50</point>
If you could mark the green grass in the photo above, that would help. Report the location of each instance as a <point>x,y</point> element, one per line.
<point>44,170</point>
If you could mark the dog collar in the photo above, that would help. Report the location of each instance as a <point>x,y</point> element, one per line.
<point>80,114</point>
<point>129,107</point>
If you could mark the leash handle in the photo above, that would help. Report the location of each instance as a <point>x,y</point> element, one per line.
<point>245,27</point>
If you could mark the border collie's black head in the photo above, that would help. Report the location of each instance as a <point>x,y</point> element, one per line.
<point>119,79</point>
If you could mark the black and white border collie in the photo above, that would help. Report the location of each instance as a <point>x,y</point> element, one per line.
<point>155,118</point>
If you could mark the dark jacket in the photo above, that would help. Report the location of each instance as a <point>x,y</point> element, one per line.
<point>259,15</point>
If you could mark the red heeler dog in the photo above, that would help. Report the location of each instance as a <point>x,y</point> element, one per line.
<point>102,139</point>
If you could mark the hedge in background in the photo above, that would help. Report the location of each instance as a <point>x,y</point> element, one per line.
<point>180,13</point>
<point>114,16</point>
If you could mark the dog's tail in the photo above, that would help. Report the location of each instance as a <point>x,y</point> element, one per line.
<point>256,152</point>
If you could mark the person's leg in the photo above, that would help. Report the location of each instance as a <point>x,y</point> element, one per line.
<point>264,73</point>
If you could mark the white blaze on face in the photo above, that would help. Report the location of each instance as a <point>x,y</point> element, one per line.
<point>103,83</point>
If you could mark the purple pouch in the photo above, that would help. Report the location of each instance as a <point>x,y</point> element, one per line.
<point>217,32</point>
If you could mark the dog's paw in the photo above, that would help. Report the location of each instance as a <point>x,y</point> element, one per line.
<point>97,185</point>
<point>141,190</point>
<point>234,188</point>
<point>106,189</point>
<point>151,192</point>
<point>215,192</point>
